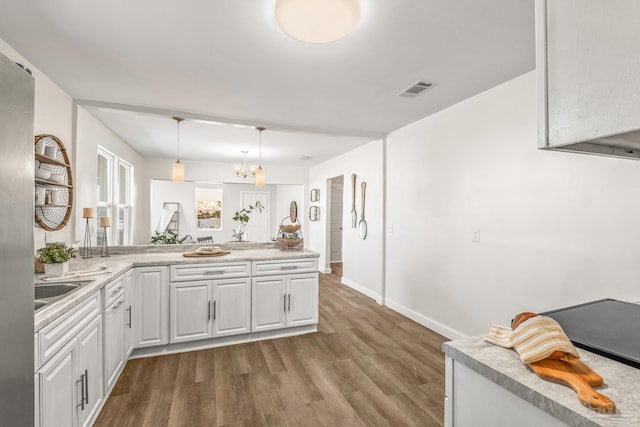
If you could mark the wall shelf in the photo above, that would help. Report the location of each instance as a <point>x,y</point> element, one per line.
<point>49,216</point>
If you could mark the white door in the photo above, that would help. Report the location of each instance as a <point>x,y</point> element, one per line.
<point>302,304</point>
<point>231,302</point>
<point>90,365</point>
<point>337,185</point>
<point>151,306</point>
<point>267,303</point>
<point>191,311</point>
<point>114,342</point>
<point>258,226</point>
<point>60,393</point>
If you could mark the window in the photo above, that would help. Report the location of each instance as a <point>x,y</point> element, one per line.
<point>115,178</point>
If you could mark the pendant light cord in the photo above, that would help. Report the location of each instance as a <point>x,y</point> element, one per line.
<point>178,120</point>
<point>260,129</point>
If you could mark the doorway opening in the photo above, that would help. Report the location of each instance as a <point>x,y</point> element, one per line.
<point>335,224</point>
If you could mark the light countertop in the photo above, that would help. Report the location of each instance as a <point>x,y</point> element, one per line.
<point>119,264</point>
<point>503,367</point>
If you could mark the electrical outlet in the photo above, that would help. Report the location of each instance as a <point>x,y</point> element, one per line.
<point>476,236</point>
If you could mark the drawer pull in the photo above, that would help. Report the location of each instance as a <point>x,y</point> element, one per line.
<point>129,324</point>
<point>289,267</point>
<point>213,273</point>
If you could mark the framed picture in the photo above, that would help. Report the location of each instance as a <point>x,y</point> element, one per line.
<point>209,208</point>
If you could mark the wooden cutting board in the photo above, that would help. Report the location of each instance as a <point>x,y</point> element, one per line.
<point>204,254</point>
<point>571,372</point>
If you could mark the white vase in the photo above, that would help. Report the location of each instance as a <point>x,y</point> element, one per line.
<point>56,269</point>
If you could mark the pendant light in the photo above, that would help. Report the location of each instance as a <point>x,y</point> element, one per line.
<point>317,21</point>
<point>177,171</point>
<point>260,171</point>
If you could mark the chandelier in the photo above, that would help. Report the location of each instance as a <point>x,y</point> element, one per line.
<point>242,171</point>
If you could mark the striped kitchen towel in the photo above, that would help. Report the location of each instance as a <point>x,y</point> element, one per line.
<point>534,339</point>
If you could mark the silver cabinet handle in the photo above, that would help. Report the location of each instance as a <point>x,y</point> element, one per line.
<point>86,386</point>
<point>213,273</point>
<point>129,324</point>
<point>289,267</point>
<point>285,303</point>
<point>289,309</point>
<point>81,381</point>
<point>214,310</point>
<point>208,311</point>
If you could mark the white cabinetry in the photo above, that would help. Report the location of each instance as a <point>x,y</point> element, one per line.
<point>284,300</point>
<point>129,336</point>
<point>587,61</point>
<point>150,308</point>
<point>201,309</point>
<point>71,380</point>
<point>468,395</point>
<point>114,332</point>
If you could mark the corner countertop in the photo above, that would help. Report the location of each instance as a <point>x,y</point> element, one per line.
<point>119,264</point>
<point>503,367</point>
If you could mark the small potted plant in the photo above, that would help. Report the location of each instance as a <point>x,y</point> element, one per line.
<point>242,217</point>
<point>55,258</point>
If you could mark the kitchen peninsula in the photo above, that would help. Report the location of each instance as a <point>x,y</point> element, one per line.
<point>489,385</point>
<point>159,302</point>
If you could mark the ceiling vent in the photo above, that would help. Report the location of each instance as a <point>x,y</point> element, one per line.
<point>415,89</point>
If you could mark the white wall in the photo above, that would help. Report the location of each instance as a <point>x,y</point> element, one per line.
<point>280,197</point>
<point>53,114</point>
<point>90,134</point>
<point>362,259</point>
<point>556,229</point>
<point>203,172</point>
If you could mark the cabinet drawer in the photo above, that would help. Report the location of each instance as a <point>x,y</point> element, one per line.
<point>284,266</point>
<point>55,335</point>
<point>113,291</point>
<point>210,271</point>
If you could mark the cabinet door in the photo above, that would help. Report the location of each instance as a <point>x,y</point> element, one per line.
<point>191,311</point>
<point>302,299</point>
<point>90,365</point>
<point>128,314</point>
<point>59,391</point>
<point>114,357</point>
<point>36,397</point>
<point>231,306</point>
<point>267,303</point>
<point>151,306</point>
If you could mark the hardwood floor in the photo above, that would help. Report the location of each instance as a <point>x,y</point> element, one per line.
<point>366,366</point>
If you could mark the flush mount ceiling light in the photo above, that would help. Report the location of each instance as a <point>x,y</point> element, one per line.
<point>242,171</point>
<point>177,171</point>
<point>260,171</point>
<point>317,21</point>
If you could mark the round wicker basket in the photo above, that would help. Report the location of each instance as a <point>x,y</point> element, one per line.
<point>289,243</point>
<point>290,228</point>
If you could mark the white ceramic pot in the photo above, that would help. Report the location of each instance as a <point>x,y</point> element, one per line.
<point>57,269</point>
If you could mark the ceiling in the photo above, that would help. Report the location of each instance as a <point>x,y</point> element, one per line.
<point>135,64</point>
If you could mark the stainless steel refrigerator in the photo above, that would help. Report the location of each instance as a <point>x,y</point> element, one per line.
<point>16,245</point>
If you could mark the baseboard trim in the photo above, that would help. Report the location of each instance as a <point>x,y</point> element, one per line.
<point>324,270</point>
<point>425,321</point>
<point>222,341</point>
<point>362,289</point>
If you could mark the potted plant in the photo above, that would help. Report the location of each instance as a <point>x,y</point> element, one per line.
<point>55,258</point>
<point>242,218</point>
<point>168,238</point>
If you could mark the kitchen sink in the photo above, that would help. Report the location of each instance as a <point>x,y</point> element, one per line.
<point>54,289</point>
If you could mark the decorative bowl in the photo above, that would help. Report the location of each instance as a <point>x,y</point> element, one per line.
<point>56,177</point>
<point>43,173</point>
